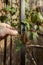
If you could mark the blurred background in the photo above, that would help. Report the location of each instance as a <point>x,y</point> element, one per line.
<point>10,13</point>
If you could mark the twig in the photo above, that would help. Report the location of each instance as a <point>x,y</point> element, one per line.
<point>32,59</point>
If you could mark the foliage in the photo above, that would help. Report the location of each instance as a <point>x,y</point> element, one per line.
<point>3,18</point>
<point>14,24</point>
<point>18,43</point>
<point>35,17</point>
<point>10,9</point>
<point>27,25</point>
<point>13,11</point>
<point>31,34</point>
<point>26,11</point>
<point>32,24</point>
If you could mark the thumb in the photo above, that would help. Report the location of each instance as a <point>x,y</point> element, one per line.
<point>12,32</point>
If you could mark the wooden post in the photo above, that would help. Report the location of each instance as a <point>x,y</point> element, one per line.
<point>5,41</point>
<point>22,31</point>
<point>11,39</point>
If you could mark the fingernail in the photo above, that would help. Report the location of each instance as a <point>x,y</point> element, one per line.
<point>16,32</point>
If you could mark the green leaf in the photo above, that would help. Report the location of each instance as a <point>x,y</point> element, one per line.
<point>9,18</point>
<point>36,27</point>
<point>14,24</point>
<point>13,11</point>
<point>34,17</point>
<point>41,29</point>
<point>26,11</point>
<point>30,35</point>
<point>28,26</point>
<point>24,21</point>
<point>8,8</point>
<point>35,37</point>
<point>18,43</point>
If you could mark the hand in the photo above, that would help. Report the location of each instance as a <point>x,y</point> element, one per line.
<point>6,30</point>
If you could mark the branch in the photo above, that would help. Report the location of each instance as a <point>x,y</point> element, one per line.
<point>40,33</point>
<point>34,46</point>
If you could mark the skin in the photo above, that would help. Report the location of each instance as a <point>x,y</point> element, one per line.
<point>6,30</point>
